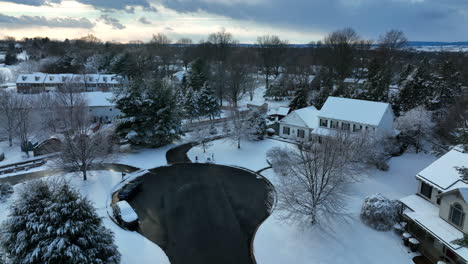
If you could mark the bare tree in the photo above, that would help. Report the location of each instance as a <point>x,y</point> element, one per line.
<point>160,46</point>
<point>271,50</point>
<point>27,125</point>
<point>237,128</point>
<point>222,42</point>
<point>82,148</point>
<point>313,187</point>
<point>415,125</point>
<point>9,103</point>
<point>341,46</point>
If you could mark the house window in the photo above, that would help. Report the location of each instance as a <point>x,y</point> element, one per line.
<point>345,126</point>
<point>334,124</point>
<point>323,123</point>
<point>426,190</point>
<point>300,133</point>
<point>456,215</point>
<point>286,130</point>
<point>357,128</point>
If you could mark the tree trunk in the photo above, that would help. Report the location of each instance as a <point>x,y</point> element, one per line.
<point>85,177</point>
<point>238,143</point>
<point>10,141</point>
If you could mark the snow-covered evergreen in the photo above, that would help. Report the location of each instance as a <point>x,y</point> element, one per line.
<point>257,125</point>
<point>191,107</point>
<point>380,212</point>
<point>300,100</point>
<point>151,115</point>
<point>208,105</point>
<point>198,75</point>
<point>53,223</point>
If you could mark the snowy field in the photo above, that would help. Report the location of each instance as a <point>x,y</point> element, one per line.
<point>348,242</point>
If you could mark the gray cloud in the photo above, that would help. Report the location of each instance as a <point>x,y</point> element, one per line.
<point>115,23</point>
<point>421,20</point>
<point>28,21</point>
<point>145,21</point>
<point>125,5</point>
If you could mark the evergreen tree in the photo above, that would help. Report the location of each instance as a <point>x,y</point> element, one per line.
<point>150,114</point>
<point>65,228</point>
<point>378,81</point>
<point>256,125</point>
<point>207,103</point>
<point>415,88</point>
<point>300,100</point>
<point>10,58</point>
<point>191,108</point>
<point>198,75</point>
<point>446,86</point>
<point>19,234</point>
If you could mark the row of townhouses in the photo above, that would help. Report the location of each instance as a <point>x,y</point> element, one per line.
<point>43,82</point>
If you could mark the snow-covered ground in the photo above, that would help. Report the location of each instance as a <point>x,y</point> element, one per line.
<point>134,247</point>
<point>12,154</point>
<point>340,242</point>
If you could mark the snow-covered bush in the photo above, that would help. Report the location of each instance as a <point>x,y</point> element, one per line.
<point>256,125</point>
<point>270,131</point>
<point>379,212</point>
<point>53,223</point>
<point>6,190</point>
<point>2,155</point>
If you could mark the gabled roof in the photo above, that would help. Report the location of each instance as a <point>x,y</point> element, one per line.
<point>463,191</point>
<point>37,77</point>
<point>354,110</point>
<point>307,116</point>
<point>443,173</point>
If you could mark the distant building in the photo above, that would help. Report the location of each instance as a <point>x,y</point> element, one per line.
<point>43,82</point>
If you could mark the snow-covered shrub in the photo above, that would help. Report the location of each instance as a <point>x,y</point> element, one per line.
<point>270,131</point>
<point>2,155</point>
<point>53,223</point>
<point>6,190</point>
<point>379,212</point>
<point>256,125</point>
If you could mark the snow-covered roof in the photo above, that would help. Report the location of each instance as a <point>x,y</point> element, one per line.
<point>99,98</point>
<point>443,173</point>
<point>126,212</point>
<point>305,116</point>
<point>353,80</point>
<point>463,191</point>
<point>426,214</point>
<point>354,110</point>
<point>284,110</point>
<point>68,77</point>
<point>179,75</point>
<point>37,77</point>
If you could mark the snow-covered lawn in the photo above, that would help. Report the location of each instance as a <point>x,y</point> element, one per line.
<point>251,155</point>
<point>134,247</point>
<point>12,154</point>
<point>340,242</point>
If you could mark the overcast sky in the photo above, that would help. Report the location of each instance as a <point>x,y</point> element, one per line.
<point>299,21</point>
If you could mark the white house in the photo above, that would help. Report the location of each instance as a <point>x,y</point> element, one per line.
<point>436,214</point>
<point>101,107</point>
<point>299,124</point>
<point>339,114</point>
<point>355,115</point>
